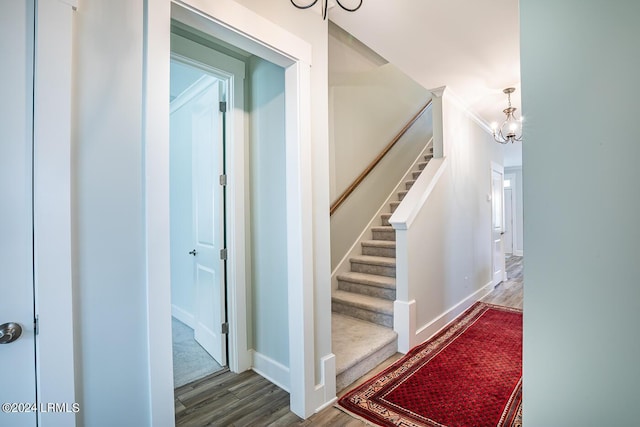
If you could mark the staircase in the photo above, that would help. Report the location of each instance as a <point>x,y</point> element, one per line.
<point>362,318</point>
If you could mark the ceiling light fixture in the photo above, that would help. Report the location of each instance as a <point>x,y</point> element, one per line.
<point>511,128</point>
<point>325,6</point>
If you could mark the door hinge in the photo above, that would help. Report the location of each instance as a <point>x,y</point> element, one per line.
<point>223,107</point>
<point>36,325</point>
<point>223,254</point>
<point>225,328</point>
<point>223,179</point>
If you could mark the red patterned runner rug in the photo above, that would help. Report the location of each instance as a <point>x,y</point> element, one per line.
<point>469,374</point>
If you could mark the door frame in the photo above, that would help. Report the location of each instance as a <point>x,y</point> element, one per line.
<point>233,73</point>
<point>52,200</point>
<point>514,222</point>
<point>239,26</point>
<point>496,167</point>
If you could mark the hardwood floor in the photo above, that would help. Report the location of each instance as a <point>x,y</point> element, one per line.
<point>247,399</point>
<point>509,292</point>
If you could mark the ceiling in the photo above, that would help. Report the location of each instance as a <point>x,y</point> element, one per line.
<point>472,47</point>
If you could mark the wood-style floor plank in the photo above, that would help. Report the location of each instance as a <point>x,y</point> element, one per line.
<point>247,399</point>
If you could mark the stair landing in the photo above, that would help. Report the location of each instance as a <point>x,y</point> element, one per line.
<point>359,346</point>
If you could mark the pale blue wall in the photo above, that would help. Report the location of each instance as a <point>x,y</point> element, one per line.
<point>580,71</point>
<point>269,281</point>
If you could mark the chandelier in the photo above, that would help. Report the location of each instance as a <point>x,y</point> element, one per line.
<point>325,6</point>
<point>511,129</point>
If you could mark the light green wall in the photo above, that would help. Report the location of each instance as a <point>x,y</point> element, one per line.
<point>269,283</point>
<point>580,68</point>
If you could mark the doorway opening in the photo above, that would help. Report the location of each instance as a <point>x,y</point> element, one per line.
<point>497,224</point>
<point>198,99</point>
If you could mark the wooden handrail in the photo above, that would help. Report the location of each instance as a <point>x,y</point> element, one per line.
<point>340,200</point>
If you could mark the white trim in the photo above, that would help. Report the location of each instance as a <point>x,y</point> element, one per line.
<point>326,391</point>
<point>191,92</point>
<point>497,167</point>
<point>155,136</point>
<point>425,332</point>
<point>514,218</point>
<point>404,323</point>
<point>299,235</point>
<point>518,253</point>
<point>205,58</point>
<point>462,106</point>
<point>183,315</point>
<point>243,28</point>
<point>232,71</point>
<point>52,208</point>
<point>235,24</point>
<point>405,312</point>
<point>270,369</point>
<point>417,196</point>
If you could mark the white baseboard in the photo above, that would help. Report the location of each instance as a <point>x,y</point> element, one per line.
<point>518,253</point>
<point>183,316</point>
<point>430,329</point>
<point>268,368</point>
<point>325,392</point>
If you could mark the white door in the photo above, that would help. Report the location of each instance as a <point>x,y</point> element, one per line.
<point>497,223</point>
<point>17,358</point>
<point>508,221</point>
<point>208,223</point>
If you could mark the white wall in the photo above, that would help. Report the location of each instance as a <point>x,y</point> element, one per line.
<point>445,255</point>
<point>518,213</point>
<point>268,217</point>
<point>112,370</point>
<point>581,179</point>
<point>370,101</point>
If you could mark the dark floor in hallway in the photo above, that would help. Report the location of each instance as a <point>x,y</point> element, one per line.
<point>247,399</point>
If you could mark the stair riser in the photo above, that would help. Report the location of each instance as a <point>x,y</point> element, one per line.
<point>408,185</point>
<point>401,195</point>
<point>380,270</point>
<point>393,206</point>
<point>377,251</point>
<point>349,376</point>
<point>372,291</point>
<point>363,314</point>
<point>415,174</point>
<point>384,235</point>
<point>385,219</point>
